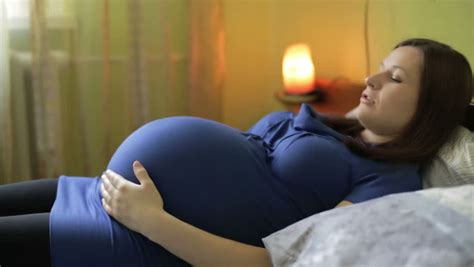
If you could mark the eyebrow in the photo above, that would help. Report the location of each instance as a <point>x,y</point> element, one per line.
<point>395,66</point>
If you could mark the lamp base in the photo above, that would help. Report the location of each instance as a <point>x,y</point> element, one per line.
<point>285,97</point>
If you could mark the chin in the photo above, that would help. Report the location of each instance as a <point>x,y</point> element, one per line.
<point>368,119</point>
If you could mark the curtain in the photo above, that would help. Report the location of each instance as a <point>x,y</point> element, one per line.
<point>84,74</point>
<point>5,97</point>
<point>207,59</point>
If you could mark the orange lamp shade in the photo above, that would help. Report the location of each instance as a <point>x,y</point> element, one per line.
<point>298,69</point>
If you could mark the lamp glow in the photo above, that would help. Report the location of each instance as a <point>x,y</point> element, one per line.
<point>298,69</point>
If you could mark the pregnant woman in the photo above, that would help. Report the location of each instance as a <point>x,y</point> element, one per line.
<point>205,193</point>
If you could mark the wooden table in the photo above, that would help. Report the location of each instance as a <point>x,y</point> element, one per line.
<point>337,97</point>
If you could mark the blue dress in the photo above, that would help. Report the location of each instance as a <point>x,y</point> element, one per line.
<point>238,185</point>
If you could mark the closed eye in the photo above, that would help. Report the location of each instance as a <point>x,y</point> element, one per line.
<point>395,80</point>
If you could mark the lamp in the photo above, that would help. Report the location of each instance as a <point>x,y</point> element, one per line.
<point>298,69</point>
<point>298,75</point>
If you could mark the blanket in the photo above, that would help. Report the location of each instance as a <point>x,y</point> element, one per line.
<point>431,227</point>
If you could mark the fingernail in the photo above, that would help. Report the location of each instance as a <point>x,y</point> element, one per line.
<point>136,163</point>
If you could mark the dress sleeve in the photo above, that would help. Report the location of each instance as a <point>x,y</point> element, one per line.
<point>388,180</point>
<point>268,121</point>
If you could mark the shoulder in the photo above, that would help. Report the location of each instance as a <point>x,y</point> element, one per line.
<point>401,173</point>
<point>376,179</point>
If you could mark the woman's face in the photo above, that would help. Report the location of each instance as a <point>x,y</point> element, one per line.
<point>389,101</point>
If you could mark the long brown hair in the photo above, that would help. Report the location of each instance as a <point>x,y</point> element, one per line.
<point>445,92</point>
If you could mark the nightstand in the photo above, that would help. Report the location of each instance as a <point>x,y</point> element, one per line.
<point>337,97</point>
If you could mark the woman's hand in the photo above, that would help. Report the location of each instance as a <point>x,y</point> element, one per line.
<point>140,208</point>
<point>129,203</point>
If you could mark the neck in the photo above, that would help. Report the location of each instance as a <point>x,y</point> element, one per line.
<point>373,138</point>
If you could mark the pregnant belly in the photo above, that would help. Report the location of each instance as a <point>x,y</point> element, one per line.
<point>209,175</point>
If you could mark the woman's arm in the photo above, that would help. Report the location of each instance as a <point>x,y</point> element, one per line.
<point>140,208</point>
<point>343,204</point>
<point>201,248</point>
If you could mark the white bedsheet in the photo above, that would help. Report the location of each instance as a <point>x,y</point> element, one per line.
<point>433,227</point>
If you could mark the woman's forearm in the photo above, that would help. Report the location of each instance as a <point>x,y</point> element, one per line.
<point>198,247</point>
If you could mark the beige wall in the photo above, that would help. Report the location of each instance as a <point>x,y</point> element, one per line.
<point>258,31</point>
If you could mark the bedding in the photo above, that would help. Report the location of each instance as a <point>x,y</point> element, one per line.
<point>431,227</point>
<point>454,163</point>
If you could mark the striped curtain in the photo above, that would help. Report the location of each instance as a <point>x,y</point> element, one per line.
<point>6,146</point>
<point>46,151</point>
<point>207,59</point>
<point>90,72</point>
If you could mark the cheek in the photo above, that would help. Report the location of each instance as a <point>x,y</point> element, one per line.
<point>399,106</point>
<point>394,109</point>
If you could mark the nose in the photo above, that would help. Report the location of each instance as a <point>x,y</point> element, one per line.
<point>371,81</point>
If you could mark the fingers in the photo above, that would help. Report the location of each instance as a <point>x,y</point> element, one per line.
<point>114,178</point>
<point>105,194</point>
<point>107,207</point>
<point>117,181</point>
<point>140,172</point>
<point>107,181</point>
<point>105,190</point>
<point>113,185</point>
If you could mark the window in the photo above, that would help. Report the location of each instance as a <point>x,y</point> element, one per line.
<point>17,8</point>
<point>18,13</point>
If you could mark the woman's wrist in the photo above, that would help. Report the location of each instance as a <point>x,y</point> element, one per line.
<point>153,222</point>
<point>198,247</point>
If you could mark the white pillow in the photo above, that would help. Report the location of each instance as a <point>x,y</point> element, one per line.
<point>426,228</point>
<point>454,163</point>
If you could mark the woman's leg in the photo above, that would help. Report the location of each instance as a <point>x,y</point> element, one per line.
<point>35,196</point>
<point>24,240</point>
